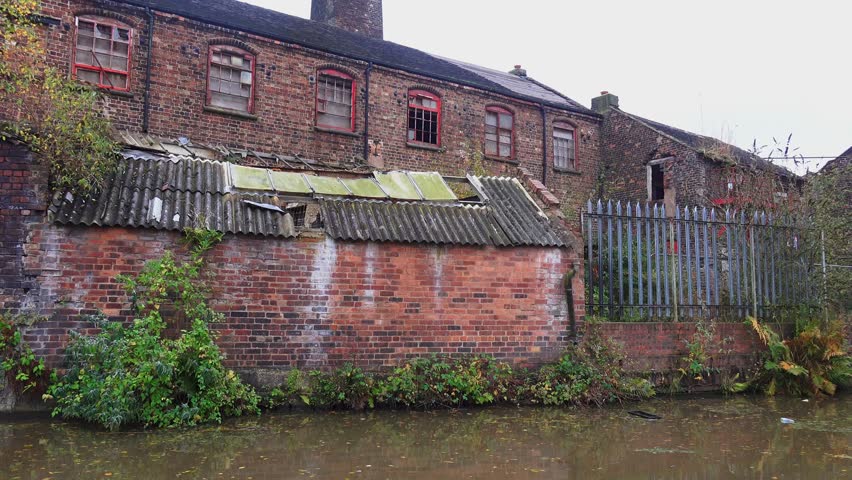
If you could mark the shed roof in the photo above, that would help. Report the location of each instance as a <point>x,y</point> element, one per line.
<point>287,28</point>
<point>172,192</point>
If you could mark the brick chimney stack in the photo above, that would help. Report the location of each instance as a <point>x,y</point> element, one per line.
<point>358,16</point>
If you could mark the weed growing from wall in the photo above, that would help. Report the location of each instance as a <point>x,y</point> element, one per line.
<point>133,374</point>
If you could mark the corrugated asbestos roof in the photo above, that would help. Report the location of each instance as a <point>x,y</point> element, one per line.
<point>174,192</point>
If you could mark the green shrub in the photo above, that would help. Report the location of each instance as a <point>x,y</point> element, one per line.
<point>133,374</point>
<point>27,374</point>
<point>590,373</point>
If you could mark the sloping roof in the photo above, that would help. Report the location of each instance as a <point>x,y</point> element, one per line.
<point>701,143</point>
<point>319,36</point>
<point>843,160</point>
<point>172,192</point>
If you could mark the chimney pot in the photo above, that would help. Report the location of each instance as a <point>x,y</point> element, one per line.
<point>518,71</point>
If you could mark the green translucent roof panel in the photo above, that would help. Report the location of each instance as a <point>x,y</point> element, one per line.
<point>250,178</point>
<point>364,187</point>
<point>432,186</point>
<point>327,185</point>
<point>289,182</point>
<point>398,185</point>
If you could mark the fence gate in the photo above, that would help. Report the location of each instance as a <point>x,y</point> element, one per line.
<point>644,263</point>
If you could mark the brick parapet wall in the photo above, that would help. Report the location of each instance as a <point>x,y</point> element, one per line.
<point>662,346</point>
<point>284,104</point>
<point>316,303</point>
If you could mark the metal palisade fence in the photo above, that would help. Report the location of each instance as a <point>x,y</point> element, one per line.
<point>644,263</point>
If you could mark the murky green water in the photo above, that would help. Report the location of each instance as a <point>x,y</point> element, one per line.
<point>700,438</point>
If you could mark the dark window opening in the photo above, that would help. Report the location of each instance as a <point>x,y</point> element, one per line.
<point>424,117</point>
<point>298,213</point>
<point>658,190</point>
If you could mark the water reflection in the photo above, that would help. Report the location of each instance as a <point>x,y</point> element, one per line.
<point>739,437</point>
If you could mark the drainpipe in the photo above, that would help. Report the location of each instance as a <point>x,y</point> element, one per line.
<point>147,100</point>
<point>367,110</point>
<point>543,144</point>
<point>569,295</point>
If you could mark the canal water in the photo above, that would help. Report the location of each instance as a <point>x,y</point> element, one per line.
<point>697,438</point>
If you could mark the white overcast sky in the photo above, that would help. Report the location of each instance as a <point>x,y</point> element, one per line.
<point>738,70</point>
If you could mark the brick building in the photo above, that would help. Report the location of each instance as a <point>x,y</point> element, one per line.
<point>644,160</point>
<point>330,89</point>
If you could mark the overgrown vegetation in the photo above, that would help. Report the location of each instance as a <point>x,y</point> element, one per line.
<point>27,374</point>
<point>588,374</point>
<point>133,374</point>
<point>814,362</point>
<point>54,115</point>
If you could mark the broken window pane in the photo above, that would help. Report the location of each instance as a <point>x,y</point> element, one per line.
<point>334,101</point>
<point>231,80</point>
<point>423,117</point>
<point>109,64</point>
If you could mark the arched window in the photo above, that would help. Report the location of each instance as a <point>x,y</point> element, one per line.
<point>424,117</point>
<point>335,100</point>
<point>499,132</point>
<point>102,52</point>
<point>564,146</point>
<point>230,78</point>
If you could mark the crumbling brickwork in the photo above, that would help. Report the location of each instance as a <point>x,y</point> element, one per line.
<point>23,202</point>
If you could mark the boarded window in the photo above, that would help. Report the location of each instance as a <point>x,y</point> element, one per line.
<point>102,53</point>
<point>564,146</point>
<point>499,126</point>
<point>424,117</point>
<point>335,100</point>
<point>230,82</point>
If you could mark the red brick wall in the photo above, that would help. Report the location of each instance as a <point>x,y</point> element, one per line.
<point>662,347</point>
<point>314,302</point>
<point>284,104</point>
<point>627,148</point>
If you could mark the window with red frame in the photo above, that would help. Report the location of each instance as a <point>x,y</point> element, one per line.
<point>230,82</point>
<point>499,126</point>
<point>424,117</point>
<point>335,100</point>
<point>102,53</point>
<point>564,146</point>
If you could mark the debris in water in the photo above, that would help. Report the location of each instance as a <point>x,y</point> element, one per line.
<point>645,415</point>
<point>787,421</point>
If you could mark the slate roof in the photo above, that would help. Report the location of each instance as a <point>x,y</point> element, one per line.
<point>172,192</point>
<point>287,28</point>
<point>698,142</point>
